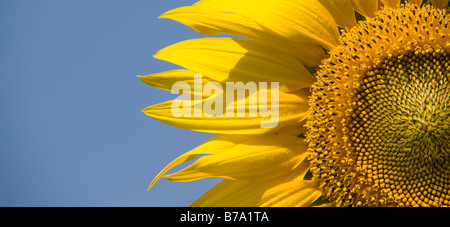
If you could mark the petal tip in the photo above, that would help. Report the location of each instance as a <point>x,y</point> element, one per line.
<point>164,15</point>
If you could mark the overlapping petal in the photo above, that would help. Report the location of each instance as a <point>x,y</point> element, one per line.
<point>366,8</point>
<point>290,109</point>
<point>342,12</point>
<point>298,20</point>
<point>215,145</point>
<point>175,80</point>
<point>284,191</point>
<point>234,59</point>
<point>210,22</point>
<point>391,3</point>
<point>259,157</point>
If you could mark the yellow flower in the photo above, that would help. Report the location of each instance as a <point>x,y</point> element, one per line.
<point>361,89</point>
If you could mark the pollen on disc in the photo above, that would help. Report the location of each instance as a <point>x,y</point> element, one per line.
<point>379,128</point>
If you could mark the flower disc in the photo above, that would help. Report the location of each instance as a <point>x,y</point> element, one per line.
<point>380,119</point>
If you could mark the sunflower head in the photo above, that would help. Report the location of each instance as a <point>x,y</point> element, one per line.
<point>370,79</point>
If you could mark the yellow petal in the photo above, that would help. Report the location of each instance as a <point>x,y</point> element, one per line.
<point>190,114</point>
<point>217,144</point>
<point>298,20</point>
<point>440,3</point>
<point>174,80</point>
<point>210,22</point>
<point>232,59</point>
<point>342,12</point>
<point>391,3</point>
<point>292,194</point>
<point>418,2</point>
<point>257,158</point>
<point>366,8</point>
<point>285,191</point>
<point>292,130</point>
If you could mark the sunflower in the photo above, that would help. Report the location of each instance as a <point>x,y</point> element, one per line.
<point>363,96</point>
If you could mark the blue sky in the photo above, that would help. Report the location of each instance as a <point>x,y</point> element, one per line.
<point>71,128</point>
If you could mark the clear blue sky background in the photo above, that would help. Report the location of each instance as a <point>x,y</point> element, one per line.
<point>71,128</point>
